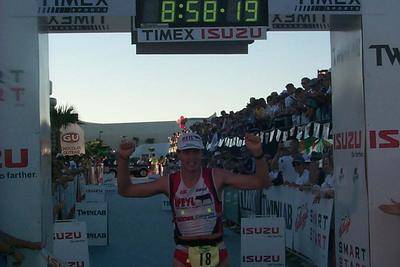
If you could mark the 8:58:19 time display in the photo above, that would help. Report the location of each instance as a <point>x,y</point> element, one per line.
<point>199,13</point>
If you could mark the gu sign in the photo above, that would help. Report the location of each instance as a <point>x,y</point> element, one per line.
<point>72,140</point>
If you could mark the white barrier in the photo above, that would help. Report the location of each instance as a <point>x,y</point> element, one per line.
<point>249,203</point>
<point>94,193</point>
<point>277,201</point>
<point>95,216</point>
<point>308,224</point>
<point>70,243</point>
<point>262,241</point>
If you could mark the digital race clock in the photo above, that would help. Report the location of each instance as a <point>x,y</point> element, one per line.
<point>202,13</point>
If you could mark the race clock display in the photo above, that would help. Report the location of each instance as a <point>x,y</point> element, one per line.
<point>202,13</point>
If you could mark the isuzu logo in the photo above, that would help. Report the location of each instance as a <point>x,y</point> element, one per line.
<point>7,161</point>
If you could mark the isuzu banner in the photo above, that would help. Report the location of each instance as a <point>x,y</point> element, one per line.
<point>351,195</point>
<point>381,54</point>
<point>70,243</point>
<point>72,140</point>
<point>262,241</point>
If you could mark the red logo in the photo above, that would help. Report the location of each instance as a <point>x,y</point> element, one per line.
<point>347,140</point>
<point>260,230</point>
<point>301,219</point>
<point>70,137</point>
<point>10,163</point>
<point>67,235</point>
<point>384,139</point>
<point>184,202</point>
<point>230,33</point>
<point>344,226</point>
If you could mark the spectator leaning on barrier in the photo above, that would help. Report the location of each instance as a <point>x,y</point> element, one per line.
<point>198,223</point>
<point>287,150</point>
<point>303,175</point>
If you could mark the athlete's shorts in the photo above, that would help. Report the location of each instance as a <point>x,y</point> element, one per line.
<point>181,253</point>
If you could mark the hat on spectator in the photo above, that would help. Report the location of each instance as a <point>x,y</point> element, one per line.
<point>190,141</point>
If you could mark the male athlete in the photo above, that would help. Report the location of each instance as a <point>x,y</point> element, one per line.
<point>195,197</point>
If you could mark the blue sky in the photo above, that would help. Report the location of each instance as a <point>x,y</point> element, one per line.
<point>103,78</point>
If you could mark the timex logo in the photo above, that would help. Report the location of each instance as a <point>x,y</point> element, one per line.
<point>392,53</point>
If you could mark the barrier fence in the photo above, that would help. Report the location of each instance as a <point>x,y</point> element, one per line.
<point>308,223</point>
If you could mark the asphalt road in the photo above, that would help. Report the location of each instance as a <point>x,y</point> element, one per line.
<point>141,235</point>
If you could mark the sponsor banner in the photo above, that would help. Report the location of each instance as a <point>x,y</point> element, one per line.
<point>351,195</point>
<point>165,204</point>
<point>87,24</point>
<point>94,193</point>
<point>312,227</point>
<point>25,147</point>
<point>299,22</point>
<point>160,35</point>
<point>72,140</point>
<point>84,7</point>
<point>249,203</point>
<point>263,241</point>
<point>381,57</point>
<point>278,201</point>
<point>95,217</point>
<point>327,7</point>
<point>70,243</point>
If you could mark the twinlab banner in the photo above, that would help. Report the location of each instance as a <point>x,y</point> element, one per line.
<point>96,219</point>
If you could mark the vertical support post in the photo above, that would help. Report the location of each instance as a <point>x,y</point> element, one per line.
<point>25,167</point>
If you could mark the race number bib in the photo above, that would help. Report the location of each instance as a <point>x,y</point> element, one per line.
<point>204,256</point>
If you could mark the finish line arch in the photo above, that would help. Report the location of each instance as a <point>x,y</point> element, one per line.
<point>365,78</point>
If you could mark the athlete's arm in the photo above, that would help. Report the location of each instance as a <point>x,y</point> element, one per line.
<point>125,186</point>
<point>257,181</point>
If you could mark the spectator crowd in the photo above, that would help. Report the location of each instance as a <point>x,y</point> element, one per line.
<point>294,126</point>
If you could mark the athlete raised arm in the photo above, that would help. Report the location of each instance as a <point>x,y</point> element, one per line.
<point>194,194</point>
